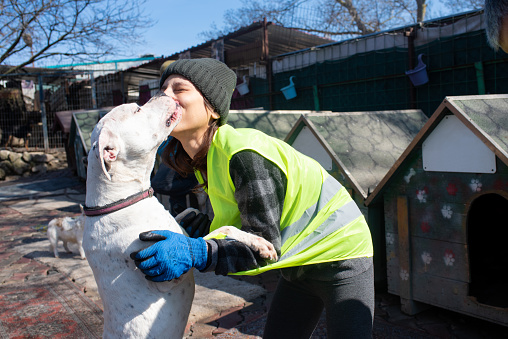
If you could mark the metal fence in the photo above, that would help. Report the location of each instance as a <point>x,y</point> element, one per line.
<point>369,73</point>
<point>29,103</point>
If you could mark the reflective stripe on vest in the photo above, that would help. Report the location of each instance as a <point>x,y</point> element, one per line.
<point>320,222</point>
<point>339,218</point>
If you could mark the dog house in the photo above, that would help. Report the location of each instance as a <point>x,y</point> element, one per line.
<point>445,205</point>
<point>276,124</point>
<point>81,127</point>
<point>358,149</point>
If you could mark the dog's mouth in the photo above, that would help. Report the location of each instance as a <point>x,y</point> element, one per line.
<point>175,117</point>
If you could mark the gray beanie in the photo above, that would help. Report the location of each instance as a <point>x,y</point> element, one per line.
<point>213,78</point>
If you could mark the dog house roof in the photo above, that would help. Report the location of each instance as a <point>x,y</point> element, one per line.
<point>484,115</point>
<point>274,123</point>
<point>364,145</point>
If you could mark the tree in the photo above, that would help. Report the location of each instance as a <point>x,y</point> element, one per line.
<point>86,30</point>
<point>463,5</point>
<point>337,18</point>
<point>331,18</point>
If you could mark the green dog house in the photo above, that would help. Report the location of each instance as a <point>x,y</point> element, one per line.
<point>358,149</point>
<point>446,205</point>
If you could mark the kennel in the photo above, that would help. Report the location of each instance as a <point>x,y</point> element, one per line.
<point>358,149</point>
<point>80,131</point>
<point>445,205</point>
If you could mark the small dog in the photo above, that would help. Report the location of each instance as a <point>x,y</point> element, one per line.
<point>69,230</point>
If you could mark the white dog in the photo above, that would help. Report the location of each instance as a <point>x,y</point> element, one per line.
<point>69,230</point>
<point>125,142</point>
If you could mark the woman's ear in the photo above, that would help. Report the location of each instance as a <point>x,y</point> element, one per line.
<point>215,115</point>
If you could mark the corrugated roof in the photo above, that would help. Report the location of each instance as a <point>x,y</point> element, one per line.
<point>485,115</point>
<point>244,46</point>
<point>365,145</point>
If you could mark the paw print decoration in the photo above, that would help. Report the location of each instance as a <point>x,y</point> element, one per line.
<point>426,258</point>
<point>476,185</point>
<point>404,274</point>
<point>389,239</point>
<point>447,212</point>
<point>449,258</point>
<point>421,195</point>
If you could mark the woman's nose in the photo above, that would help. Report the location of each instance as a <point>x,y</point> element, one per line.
<point>170,93</point>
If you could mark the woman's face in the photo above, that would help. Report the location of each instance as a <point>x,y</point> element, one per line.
<point>195,115</point>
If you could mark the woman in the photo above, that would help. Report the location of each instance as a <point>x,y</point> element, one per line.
<point>263,186</point>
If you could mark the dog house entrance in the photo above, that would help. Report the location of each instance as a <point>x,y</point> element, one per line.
<point>487,227</point>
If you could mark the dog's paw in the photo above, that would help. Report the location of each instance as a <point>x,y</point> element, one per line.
<point>264,248</point>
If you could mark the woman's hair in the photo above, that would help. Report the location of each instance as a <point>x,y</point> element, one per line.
<point>495,11</point>
<point>176,158</point>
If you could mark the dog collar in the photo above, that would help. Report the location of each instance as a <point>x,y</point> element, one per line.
<point>117,205</point>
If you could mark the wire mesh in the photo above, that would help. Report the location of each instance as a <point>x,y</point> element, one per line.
<point>25,122</point>
<point>369,73</point>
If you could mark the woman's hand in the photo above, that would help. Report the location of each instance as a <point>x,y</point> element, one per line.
<point>171,256</point>
<point>196,225</point>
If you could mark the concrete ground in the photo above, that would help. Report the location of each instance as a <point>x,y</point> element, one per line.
<point>45,297</point>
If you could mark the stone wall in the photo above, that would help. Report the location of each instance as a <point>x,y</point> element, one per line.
<point>23,163</point>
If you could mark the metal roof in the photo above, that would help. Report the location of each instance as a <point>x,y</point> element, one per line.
<point>241,48</point>
<point>244,46</point>
<point>365,145</point>
<point>485,115</point>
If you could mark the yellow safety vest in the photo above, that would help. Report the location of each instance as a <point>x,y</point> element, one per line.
<point>319,223</point>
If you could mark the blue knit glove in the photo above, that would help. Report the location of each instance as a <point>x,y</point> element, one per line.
<point>172,255</point>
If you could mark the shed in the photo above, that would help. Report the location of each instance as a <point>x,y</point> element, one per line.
<point>358,149</point>
<point>445,204</point>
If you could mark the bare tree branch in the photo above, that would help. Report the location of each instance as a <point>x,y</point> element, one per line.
<point>346,18</point>
<point>77,30</point>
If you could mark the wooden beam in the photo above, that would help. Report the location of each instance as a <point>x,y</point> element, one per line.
<point>408,305</point>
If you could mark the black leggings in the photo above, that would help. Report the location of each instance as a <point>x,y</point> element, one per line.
<point>348,300</point>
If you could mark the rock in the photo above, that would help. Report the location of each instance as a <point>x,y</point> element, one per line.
<point>40,168</point>
<point>4,155</point>
<point>42,157</point>
<point>6,165</point>
<point>20,167</point>
<point>27,157</point>
<point>13,156</point>
<point>2,174</point>
<point>54,164</point>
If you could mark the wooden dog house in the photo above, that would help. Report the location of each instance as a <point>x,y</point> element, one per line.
<point>445,205</point>
<point>276,124</point>
<point>81,127</point>
<point>358,149</point>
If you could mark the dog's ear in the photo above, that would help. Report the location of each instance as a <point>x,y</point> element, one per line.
<point>109,146</point>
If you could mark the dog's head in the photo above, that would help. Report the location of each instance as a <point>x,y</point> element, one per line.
<point>129,135</point>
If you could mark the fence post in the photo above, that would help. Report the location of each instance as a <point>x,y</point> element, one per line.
<point>94,93</point>
<point>43,115</point>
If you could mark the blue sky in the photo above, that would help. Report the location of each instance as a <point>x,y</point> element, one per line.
<point>180,21</point>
